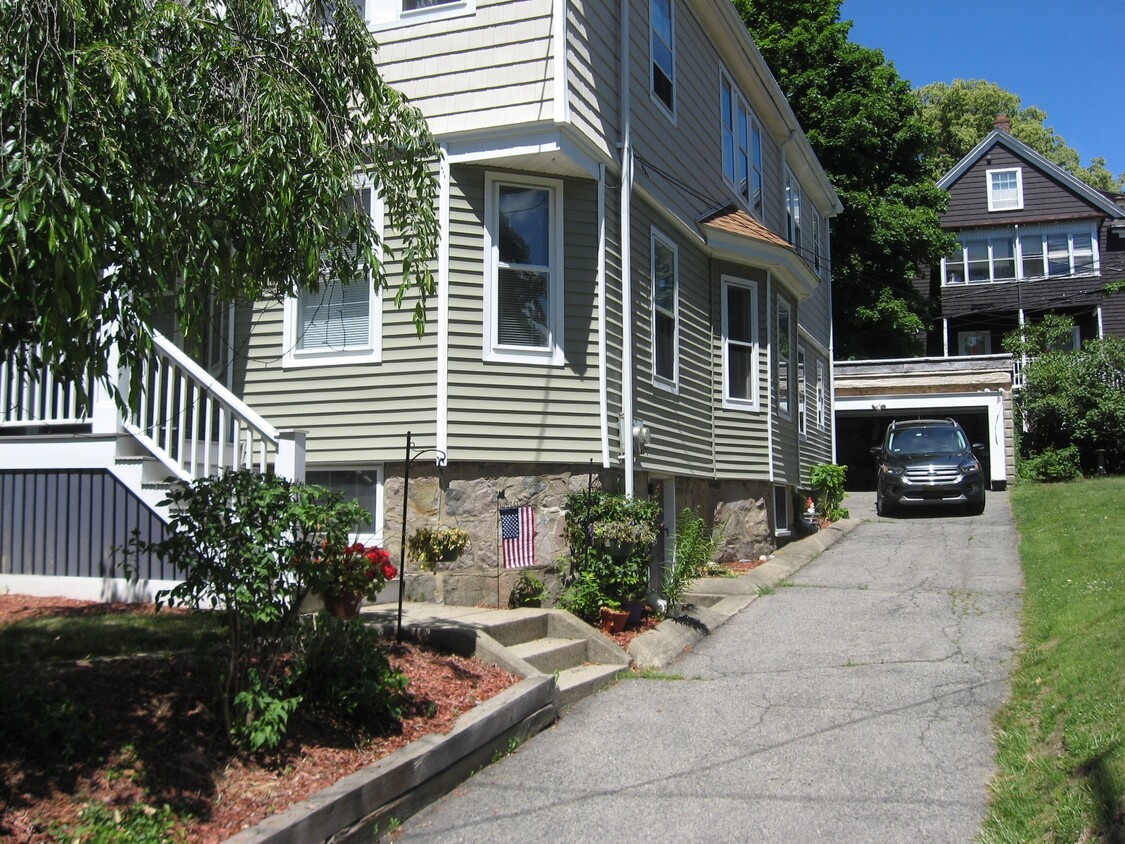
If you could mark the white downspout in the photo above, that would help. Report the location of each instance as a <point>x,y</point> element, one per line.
<point>831,344</point>
<point>769,373</point>
<point>442,386</point>
<point>626,427</point>
<point>603,333</point>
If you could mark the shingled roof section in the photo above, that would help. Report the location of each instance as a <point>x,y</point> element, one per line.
<point>734,220</point>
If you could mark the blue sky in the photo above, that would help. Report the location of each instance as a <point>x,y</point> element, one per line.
<point>1065,58</point>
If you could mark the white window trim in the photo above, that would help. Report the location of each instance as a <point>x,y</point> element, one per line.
<point>992,206</point>
<point>787,411</point>
<point>793,210</point>
<point>731,402</point>
<point>377,527</point>
<point>491,350</point>
<point>1020,235</point>
<point>670,111</point>
<point>372,352</point>
<point>802,393</point>
<point>389,14</point>
<point>781,511</point>
<point>738,102</point>
<point>820,396</point>
<point>673,384</point>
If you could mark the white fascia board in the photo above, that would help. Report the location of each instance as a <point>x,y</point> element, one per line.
<point>548,140</point>
<point>789,268</point>
<point>806,335</point>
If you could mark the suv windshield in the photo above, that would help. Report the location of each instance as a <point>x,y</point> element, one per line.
<point>910,441</point>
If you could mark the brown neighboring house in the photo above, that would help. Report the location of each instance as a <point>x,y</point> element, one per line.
<point>1032,239</point>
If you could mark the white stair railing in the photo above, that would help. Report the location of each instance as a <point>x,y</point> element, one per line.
<point>192,423</point>
<point>30,397</point>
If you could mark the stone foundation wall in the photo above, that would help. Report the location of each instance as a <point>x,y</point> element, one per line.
<point>468,497</point>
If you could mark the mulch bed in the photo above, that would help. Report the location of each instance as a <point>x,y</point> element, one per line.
<point>123,731</point>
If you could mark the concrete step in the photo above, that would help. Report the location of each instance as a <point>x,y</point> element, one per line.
<point>576,683</point>
<point>516,627</point>
<point>551,654</point>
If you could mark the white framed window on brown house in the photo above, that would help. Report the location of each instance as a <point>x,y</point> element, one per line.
<point>523,270</point>
<point>388,14</point>
<point>665,311</point>
<point>1025,253</point>
<point>740,344</point>
<point>662,48</point>
<point>339,323</point>
<point>1005,189</point>
<point>784,347</point>
<point>742,146</point>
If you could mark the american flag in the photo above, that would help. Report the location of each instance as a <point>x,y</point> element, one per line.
<point>517,532</point>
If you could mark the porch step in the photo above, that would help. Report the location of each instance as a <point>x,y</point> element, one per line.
<point>551,654</point>
<point>580,681</point>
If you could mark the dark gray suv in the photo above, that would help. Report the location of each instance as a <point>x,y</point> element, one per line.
<point>928,461</point>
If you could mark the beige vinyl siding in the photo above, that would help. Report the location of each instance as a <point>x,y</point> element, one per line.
<point>680,422</point>
<point>814,314</point>
<point>510,412</point>
<point>741,436</point>
<point>353,413</point>
<point>490,69</point>
<point>816,447</point>
<point>594,68</point>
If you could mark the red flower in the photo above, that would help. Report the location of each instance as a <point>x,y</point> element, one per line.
<point>389,571</point>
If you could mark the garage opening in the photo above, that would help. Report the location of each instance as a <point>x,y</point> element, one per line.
<point>857,432</point>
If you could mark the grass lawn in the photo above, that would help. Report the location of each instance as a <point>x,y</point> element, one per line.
<point>1061,736</point>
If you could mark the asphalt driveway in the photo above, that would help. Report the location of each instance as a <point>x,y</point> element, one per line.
<point>850,703</point>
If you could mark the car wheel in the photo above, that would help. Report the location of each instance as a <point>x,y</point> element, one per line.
<point>975,508</point>
<point>883,506</point>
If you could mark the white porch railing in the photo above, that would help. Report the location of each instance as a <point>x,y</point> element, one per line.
<point>185,418</point>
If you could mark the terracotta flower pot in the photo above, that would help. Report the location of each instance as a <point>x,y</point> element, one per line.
<point>613,621</point>
<point>342,604</point>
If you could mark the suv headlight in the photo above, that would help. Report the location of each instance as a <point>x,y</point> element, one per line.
<point>969,466</point>
<point>888,469</point>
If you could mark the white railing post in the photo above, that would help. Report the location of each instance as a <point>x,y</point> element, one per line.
<point>291,455</point>
<point>105,418</point>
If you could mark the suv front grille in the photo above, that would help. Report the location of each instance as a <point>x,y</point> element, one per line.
<point>933,474</point>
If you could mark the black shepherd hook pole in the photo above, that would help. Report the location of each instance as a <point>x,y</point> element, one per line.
<point>412,453</point>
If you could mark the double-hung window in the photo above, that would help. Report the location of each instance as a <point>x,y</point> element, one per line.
<point>740,344</point>
<point>792,209</point>
<point>523,261</point>
<point>339,323</point>
<point>665,310</point>
<point>784,346</point>
<point>742,146</point>
<point>1005,189</point>
<point>821,399</point>
<point>662,46</point>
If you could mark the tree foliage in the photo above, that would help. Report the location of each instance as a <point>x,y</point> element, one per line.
<point>864,123</point>
<point>963,112</point>
<point>190,148</point>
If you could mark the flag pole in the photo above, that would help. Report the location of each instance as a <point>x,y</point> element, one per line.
<point>500,496</point>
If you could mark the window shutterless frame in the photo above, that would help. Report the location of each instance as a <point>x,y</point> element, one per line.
<point>741,352</point>
<point>523,259</point>
<point>338,324</point>
<point>665,291</point>
<point>784,342</point>
<point>662,50</point>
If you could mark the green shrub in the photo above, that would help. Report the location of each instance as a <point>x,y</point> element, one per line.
<point>343,671</point>
<point>1052,465</point>
<point>246,544</point>
<point>827,480</point>
<point>529,591</point>
<point>595,519</point>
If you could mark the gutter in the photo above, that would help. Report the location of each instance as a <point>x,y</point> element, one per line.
<point>626,428</point>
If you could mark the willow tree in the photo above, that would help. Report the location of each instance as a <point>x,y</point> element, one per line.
<point>193,148</point>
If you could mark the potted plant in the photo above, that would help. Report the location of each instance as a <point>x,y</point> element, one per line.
<point>623,535</point>
<point>344,576</point>
<point>613,618</point>
<point>429,545</point>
